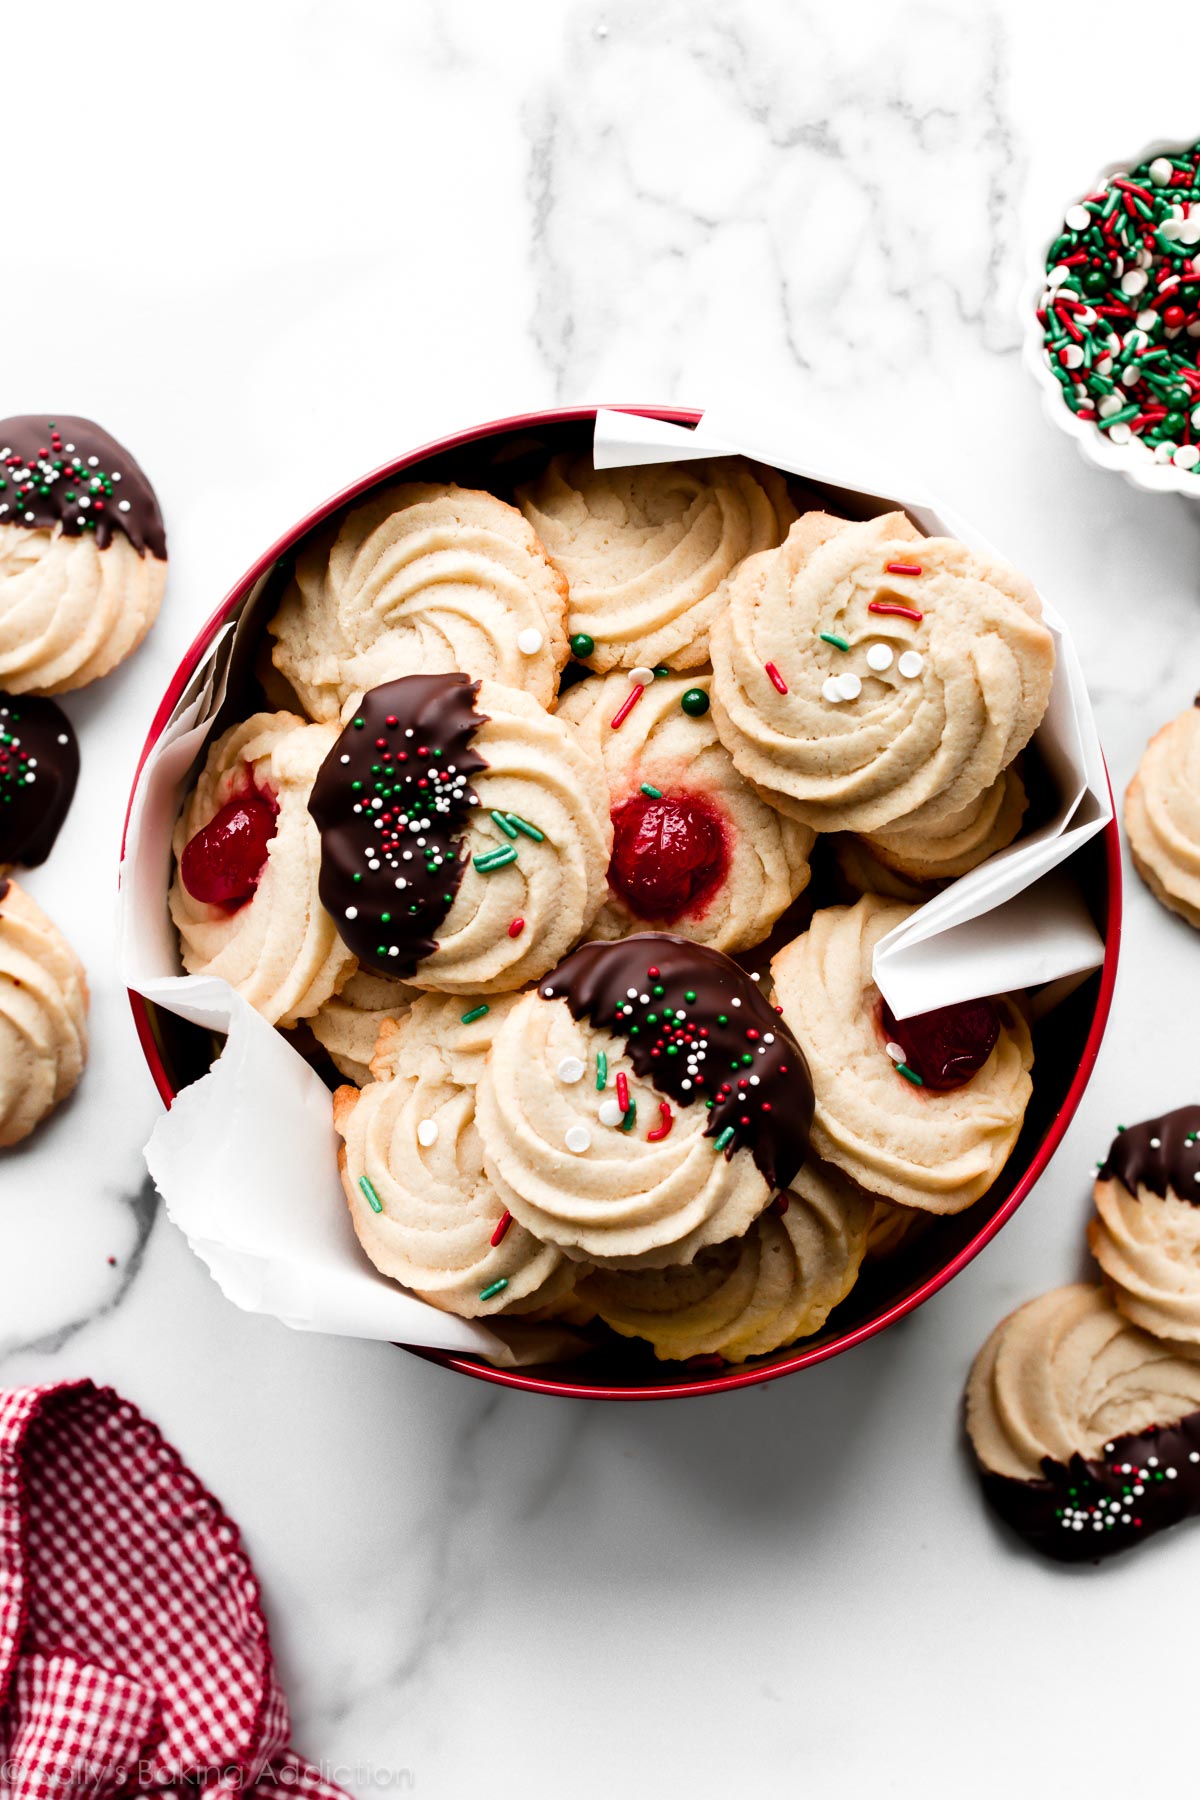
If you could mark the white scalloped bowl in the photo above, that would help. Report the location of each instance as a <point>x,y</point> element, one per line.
<point>1132,460</point>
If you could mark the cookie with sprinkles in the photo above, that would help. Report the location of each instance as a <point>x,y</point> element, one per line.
<point>643,1102</point>
<point>464,834</point>
<point>1162,815</point>
<point>1086,1429</point>
<point>411,1163</point>
<point>1146,1233</point>
<point>867,678</point>
<point>1120,309</point>
<point>695,849</point>
<point>421,579</point>
<point>247,856</point>
<point>39,766</point>
<point>923,1111</point>
<point>83,554</point>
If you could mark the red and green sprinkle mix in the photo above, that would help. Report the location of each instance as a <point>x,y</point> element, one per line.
<point>87,488</point>
<point>1120,311</point>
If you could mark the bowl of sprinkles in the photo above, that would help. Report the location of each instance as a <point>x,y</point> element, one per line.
<point>615,1034</point>
<point>1113,320</point>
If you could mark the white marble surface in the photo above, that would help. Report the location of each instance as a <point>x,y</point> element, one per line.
<point>269,246</point>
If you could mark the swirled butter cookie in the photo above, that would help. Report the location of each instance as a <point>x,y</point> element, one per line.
<point>1162,815</point>
<point>39,766</point>
<point>923,1111</point>
<point>411,1163</point>
<point>643,1102</point>
<point>421,580</point>
<point>943,850</point>
<point>464,835</point>
<point>645,550</point>
<point>1146,1236</point>
<point>43,1015</point>
<point>865,676</point>
<point>83,554</point>
<point>893,1229</point>
<point>244,898</point>
<point>1086,1430</point>
<point>348,1024</point>
<point>752,1294</point>
<point>694,848</point>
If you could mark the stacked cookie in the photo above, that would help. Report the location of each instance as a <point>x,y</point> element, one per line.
<point>83,561</point>
<point>503,894</point>
<point>1083,1406</point>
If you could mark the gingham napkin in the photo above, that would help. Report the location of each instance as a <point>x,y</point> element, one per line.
<point>133,1647</point>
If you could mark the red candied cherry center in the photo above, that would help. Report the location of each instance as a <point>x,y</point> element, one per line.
<point>668,854</point>
<point>948,1046</point>
<point>223,864</point>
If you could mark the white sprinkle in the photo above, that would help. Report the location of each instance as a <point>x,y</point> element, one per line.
<point>641,677</point>
<point>1186,457</point>
<point>1110,404</point>
<point>1077,218</point>
<point>395,950</point>
<point>578,1139</point>
<point>1194,1456</point>
<point>427,1132</point>
<point>631,993</point>
<point>911,664</point>
<point>685,1085</point>
<point>352,912</point>
<point>831,690</point>
<point>1156,1143</point>
<point>63,738</point>
<point>93,462</point>
<point>879,657</point>
<point>735,1003</point>
<point>1058,274</point>
<point>570,1069</point>
<point>1119,434</point>
<point>768,1037</point>
<point>400,881</point>
<point>610,1112</point>
<point>754,1081</point>
<point>1171,1474</point>
<point>1071,357</point>
<point>529,641</point>
<point>1161,171</point>
<point>849,685</point>
<point>895,1051</point>
<point>345,759</point>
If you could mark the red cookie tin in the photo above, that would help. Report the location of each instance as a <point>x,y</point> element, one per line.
<point>1066,1041</point>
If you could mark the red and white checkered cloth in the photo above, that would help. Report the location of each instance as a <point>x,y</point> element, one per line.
<point>133,1647</point>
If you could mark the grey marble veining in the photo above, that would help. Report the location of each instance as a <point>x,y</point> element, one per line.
<point>343,230</point>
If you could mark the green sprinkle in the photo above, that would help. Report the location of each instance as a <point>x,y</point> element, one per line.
<point>504,825</point>
<point>495,859</point>
<point>690,995</point>
<point>531,831</point>
<point>582,645</point>
<point>601,1069</point>
<point>493,1287</point>
<point>1119,418</point>
<point>653,792</point>
<point>630,1116</point>
<point>661,669</point>
<point>909,1074</point>
<point>725,1137</point>
<point>373,1200</point>
<point>831,637</point>
<point>476,1012</point>
<point>695,703</point>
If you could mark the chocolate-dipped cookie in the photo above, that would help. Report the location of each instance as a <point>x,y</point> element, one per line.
<point>39,766</point>
<point>645,1101</point>
<point>1086,1430</point>
<point>464,835</point>
<point>83,554</point>
<point>1146,1235</point>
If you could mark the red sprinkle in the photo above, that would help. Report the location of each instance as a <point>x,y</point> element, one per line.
<point>904,569</point>
<point>626,707</point>
<point>890,606</point>
<point>663,1130</point>
<point>777,681</point>
<point>516,928</point>
<point>779,1205</point>
<point>502,1227</point>
<point>623,1092</point>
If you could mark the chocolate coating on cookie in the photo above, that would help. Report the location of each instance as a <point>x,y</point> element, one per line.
<point>697,1028</point>
<point>69,472</point>
<point>1159,1154</point>
<point>391,801</point>
<point>1093,1507</point>
<point>39,766</point>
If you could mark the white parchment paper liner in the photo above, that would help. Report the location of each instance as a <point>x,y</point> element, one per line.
<point>246,1158</point>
